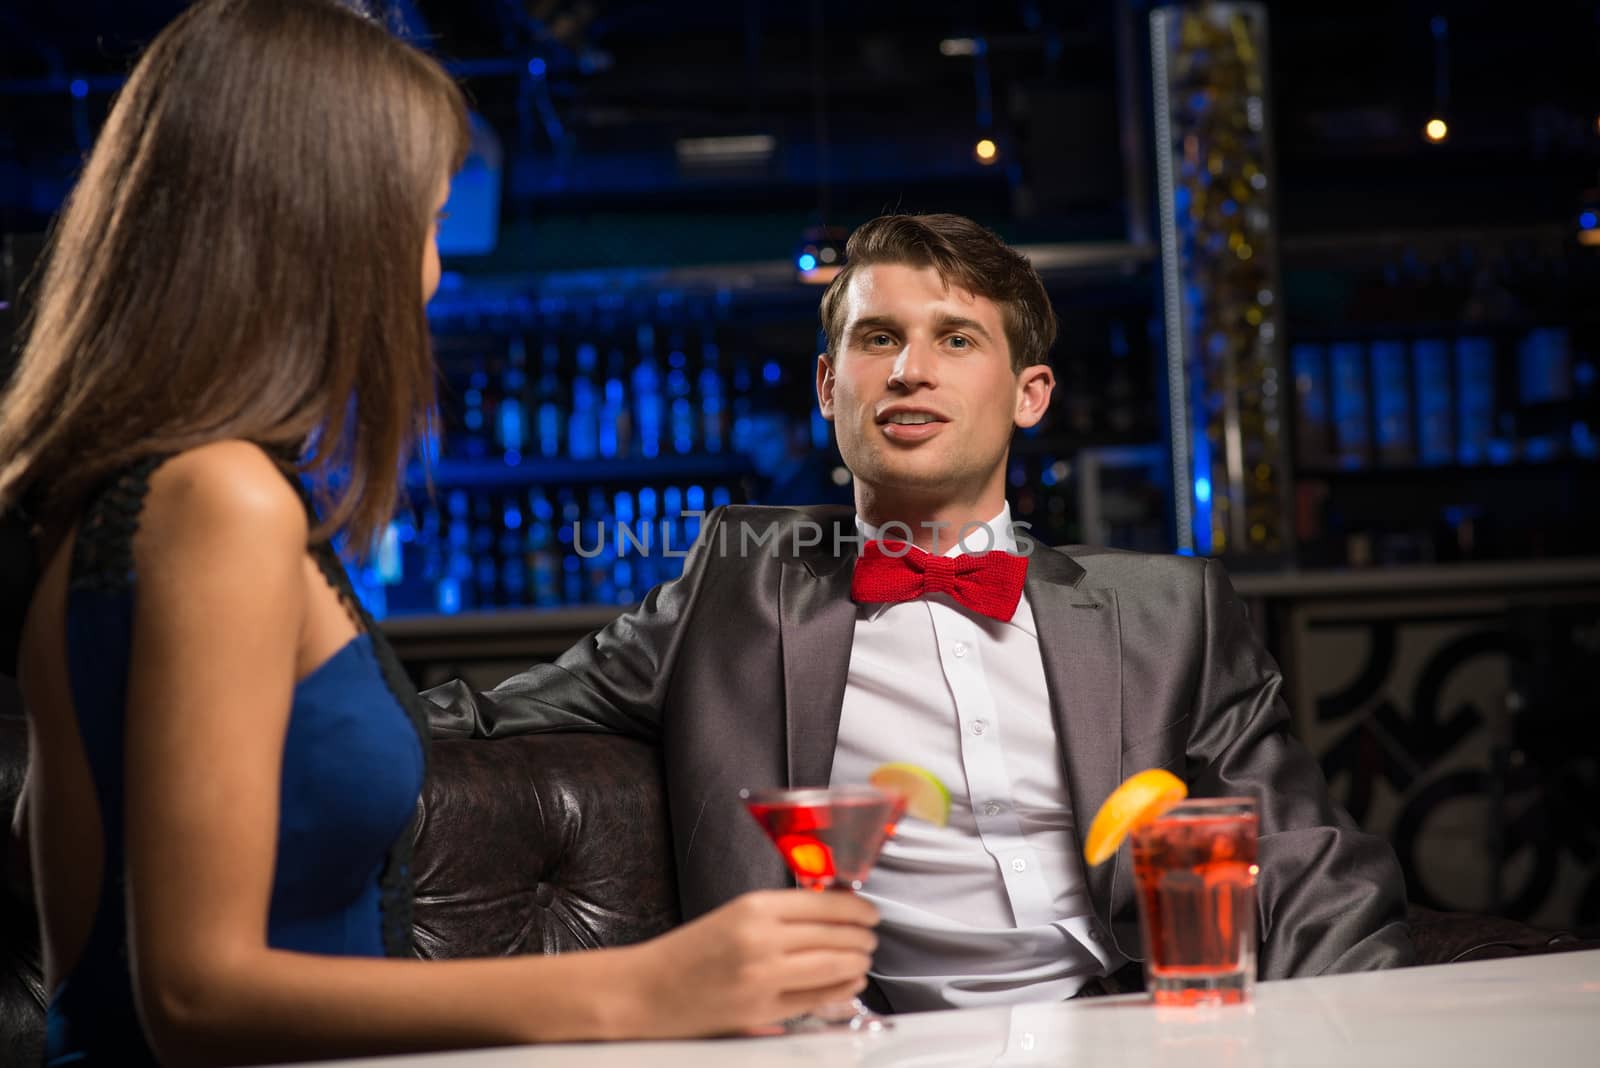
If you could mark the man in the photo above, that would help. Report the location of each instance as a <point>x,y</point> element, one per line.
<point>795,650</point>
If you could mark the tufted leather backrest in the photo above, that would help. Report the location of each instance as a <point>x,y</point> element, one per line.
<point>542,843</point>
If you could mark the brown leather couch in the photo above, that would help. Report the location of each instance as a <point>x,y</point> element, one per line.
<point>547,843</point>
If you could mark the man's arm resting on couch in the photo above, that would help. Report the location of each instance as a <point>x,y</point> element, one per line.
<point>1332,897</point>
<point>615,680</point>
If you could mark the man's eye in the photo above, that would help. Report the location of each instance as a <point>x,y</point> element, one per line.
<point>959,342</point>
<point>880,339</point>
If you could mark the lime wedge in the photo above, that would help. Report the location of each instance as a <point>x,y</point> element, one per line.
<point>926,797</point>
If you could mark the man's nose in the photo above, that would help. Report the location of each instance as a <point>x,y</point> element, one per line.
<point>916,365</point>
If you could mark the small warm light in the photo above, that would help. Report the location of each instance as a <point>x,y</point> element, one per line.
<point>1436,130</point>
<point>986,151</point>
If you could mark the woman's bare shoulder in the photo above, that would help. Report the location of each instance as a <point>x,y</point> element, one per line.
<point>225,495</point>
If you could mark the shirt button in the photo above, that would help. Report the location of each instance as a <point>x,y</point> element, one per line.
<point>992,808</point>
<point>980,726</point>
<point>959,649</point>
<point>1019,865</point>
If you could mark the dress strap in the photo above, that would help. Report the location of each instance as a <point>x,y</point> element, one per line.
<point>102,551</point>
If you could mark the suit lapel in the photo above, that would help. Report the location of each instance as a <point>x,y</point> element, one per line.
<point>817,621</point>
<point>1080,643</point>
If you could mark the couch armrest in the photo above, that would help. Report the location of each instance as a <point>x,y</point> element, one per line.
<point>540,844</point>
<point>1447,937</point>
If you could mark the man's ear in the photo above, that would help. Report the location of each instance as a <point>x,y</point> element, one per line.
<point>825,386</point>
<point>1035,384</point>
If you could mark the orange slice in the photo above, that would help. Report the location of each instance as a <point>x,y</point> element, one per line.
<point>1139,800</point>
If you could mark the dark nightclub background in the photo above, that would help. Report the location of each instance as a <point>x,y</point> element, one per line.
<point>1327,277</point>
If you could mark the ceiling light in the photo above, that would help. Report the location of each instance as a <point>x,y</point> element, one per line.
<point>820,256</point>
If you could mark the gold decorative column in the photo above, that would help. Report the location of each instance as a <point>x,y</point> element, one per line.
<point>1219,251</point>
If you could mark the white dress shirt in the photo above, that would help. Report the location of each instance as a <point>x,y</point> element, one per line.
<point>992,908</point>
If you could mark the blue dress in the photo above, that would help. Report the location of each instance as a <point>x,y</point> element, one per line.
<point>353,764</point>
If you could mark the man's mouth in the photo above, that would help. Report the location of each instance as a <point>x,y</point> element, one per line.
<point>910,424</point>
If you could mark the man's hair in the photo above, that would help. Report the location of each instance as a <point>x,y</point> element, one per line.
<point>242,258</point>
<point>964,254</point>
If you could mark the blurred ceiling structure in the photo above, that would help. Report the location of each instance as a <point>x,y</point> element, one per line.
<point>718,129</point>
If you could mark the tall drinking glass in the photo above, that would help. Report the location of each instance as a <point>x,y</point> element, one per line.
<point>830,837</point>
<point>1195,867</point>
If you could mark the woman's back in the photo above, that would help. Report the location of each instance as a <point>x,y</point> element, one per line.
<point>351,762</point>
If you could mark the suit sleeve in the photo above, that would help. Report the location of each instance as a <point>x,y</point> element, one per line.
<point>613,681</point>
<point>1332,897</point>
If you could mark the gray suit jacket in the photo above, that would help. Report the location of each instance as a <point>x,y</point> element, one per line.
<point>737,670</point>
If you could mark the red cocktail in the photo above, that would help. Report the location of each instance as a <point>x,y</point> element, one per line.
<point>1196,872</point>
<point>830,838</point>
<point>827,837</point>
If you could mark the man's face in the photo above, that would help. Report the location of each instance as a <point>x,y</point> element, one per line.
<point>921,391</point>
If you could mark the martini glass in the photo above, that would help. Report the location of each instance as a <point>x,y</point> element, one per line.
<point>830,838</point>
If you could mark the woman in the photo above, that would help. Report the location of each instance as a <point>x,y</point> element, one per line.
<point>225,756</point>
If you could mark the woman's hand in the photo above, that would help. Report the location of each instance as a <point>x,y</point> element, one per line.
<point>755,961</point>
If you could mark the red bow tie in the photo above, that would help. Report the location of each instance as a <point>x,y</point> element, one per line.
<point>888,572</point>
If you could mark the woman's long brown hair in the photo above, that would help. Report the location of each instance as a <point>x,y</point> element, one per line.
<point>242,258</point>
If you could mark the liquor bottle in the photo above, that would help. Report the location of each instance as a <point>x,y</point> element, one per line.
<point>511,423</point>
<point>680,412</point>
<point>696,504</point>
<point>1313,428</point>
<point>486,569</point>
<point>713,399</point>
<point>1352,428</point>
<point>743,407</point>
<point>672,521</point>
<point>1391,392</point>
<point>647,400</point>
<point>453,591</point>
<point>543,561</point>
<point>1474,399</point>
<point>569,515</point>
<point>628,546</point>
<point>552,416</point>
<point>599,585</point>
<point>615,422</point>
<point>513,562</point>
<point>647,568</point>
<point>474,443</point>
<point>1435,411</point>
<point>583,425</point>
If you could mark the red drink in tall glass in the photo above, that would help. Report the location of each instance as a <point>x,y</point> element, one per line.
<point>1196,871</point>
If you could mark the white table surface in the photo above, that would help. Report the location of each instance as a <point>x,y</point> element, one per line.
<point>1528,1012</point>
